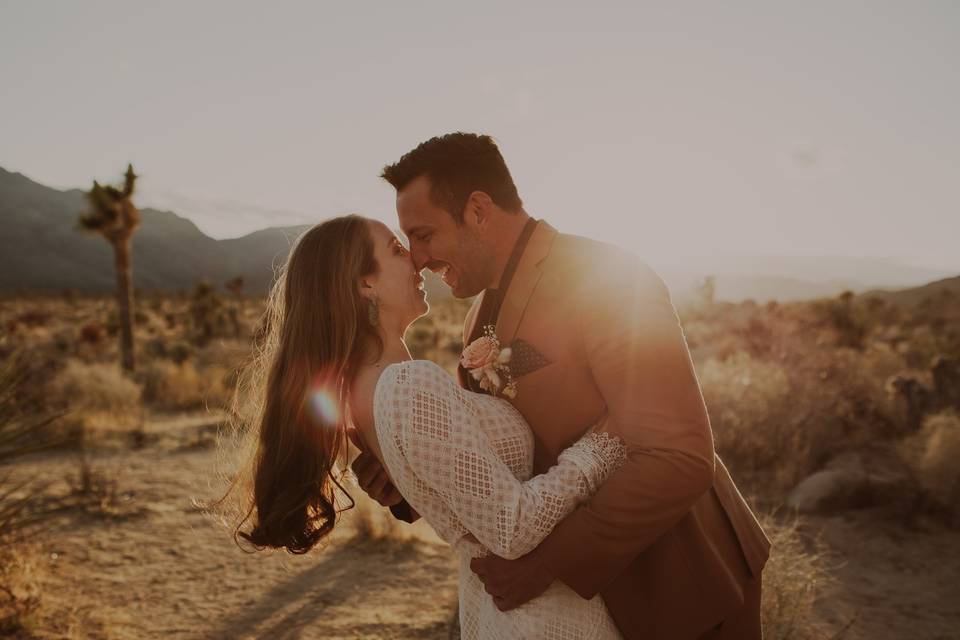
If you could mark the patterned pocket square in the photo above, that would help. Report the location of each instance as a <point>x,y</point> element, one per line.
<point>524,358</point>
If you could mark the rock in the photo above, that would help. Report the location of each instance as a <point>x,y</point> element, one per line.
<point>849,483</point>
<point>828,490</point>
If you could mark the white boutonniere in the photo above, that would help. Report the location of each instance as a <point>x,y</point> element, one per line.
<point>489,364</point>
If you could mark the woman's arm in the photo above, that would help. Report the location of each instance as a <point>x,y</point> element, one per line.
<point>453,460</point>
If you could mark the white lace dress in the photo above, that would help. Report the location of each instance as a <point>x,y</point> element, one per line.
<point>463,460</point>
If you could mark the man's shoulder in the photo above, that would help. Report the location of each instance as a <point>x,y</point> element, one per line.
<point>586,262</point>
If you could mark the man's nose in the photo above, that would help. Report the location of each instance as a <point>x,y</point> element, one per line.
<point>419,257</point>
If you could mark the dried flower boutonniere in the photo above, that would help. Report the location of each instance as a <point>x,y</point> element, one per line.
<point>488,364</point>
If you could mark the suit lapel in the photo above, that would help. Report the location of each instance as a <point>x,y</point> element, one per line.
<point>468,325</point>
<point>470,321</point>
<point>524,281</point>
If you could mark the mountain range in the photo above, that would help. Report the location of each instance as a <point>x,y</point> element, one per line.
<point>41,249</point>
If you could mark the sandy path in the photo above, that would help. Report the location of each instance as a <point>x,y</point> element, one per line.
<point>173,572</point>
<point>893,582</point>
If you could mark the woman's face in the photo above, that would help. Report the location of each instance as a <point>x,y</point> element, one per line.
<point>398,286</point>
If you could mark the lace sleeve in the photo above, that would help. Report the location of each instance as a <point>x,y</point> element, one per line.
<point>441,442</point>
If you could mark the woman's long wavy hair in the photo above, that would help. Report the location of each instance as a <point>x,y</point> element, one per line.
<point>291,400</point>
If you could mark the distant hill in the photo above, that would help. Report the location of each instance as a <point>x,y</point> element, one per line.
<point>916,295</point>
<point>40,249</point>
<point>790,278</point>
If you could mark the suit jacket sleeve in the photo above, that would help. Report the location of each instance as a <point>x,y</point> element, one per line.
<point>639,361</point>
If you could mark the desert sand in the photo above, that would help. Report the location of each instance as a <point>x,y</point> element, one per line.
<point>155,566</point>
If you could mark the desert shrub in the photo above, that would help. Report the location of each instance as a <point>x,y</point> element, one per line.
<point>20,590</point>
<point>172,386</point>
<point>770,332</point>
<point>847,318</point>
<point>179,351</point>
<point>19,437</point>
<point>92,333</point>
<point>945,373</point>
<point>212,316</point>
<point>22,431</point>
<point>920,346</point>
<point>218,384</point>
<point>370,521</point>
<point>912,398</point>
<point>34,318</point>
<point>777,422</point>
<point>94,395</point>
<point>933,455</point>
<point>168,385</point>
<point>21,506</point>
<point>95,491</point>
<point>794,576</point>
<point>750,406</point>
<point>852,393</point>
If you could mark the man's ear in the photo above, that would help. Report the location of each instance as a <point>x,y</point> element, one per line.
<point>478,209</point>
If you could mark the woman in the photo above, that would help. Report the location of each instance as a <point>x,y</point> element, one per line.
<point>334,358</point>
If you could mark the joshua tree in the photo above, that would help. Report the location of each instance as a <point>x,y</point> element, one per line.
<point>114,216</point>
<point>707,291</point>
<point>206,307</point>
<point>235,286</point>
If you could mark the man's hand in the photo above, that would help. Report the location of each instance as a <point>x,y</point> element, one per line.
<point>371,476</point>
<point>512,582</point>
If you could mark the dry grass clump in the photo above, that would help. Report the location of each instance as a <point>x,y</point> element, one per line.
<point>752,412</point>
<point>749,401</point>
<point>793,578</point>
<point>21,508</point>
<point>370,522</point>
<point>776,421</point>
<point>94,490</point>
<point>26,612</point>
<point>171,386</point>
<point>20,436</point>
<point>20,591</point>
<point>95,395</point>
<point>933,453</point>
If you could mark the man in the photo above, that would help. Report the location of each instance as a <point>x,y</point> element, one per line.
<point>668,541</point>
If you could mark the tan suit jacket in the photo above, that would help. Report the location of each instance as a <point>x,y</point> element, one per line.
<point>668,540</point>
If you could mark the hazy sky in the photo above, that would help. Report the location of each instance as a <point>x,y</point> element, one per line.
<point>676,129</point>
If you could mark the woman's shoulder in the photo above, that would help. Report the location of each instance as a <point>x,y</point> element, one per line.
<point>418,373</point>
<point>410,384</point>
<point>415,375</point>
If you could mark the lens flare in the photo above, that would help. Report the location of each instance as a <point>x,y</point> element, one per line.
<point>323,404</point>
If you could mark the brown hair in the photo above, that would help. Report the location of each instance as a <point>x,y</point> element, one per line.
<point>292,397</point>
<point>457,164</point>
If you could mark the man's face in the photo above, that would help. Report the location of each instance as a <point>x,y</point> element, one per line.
<point>437,242</point>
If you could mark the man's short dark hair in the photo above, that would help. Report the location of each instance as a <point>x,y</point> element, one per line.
<point>457,164</point>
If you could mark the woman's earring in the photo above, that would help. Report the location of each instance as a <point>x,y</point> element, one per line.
<point>373,312</point>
